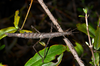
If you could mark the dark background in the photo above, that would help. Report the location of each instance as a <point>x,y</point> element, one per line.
<point>65,11</point>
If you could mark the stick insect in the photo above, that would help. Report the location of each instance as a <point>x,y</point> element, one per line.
<point>39,36</point>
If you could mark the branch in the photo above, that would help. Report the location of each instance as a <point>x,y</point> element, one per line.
<point>68,43</point>
<point>90,44</point>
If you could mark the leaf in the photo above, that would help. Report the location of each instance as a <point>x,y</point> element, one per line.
<point>42,43</point>
<point>1,47</point>
<point>91,63</point>
<point>81,16</point>
<point>16,19</point>
<point>25,31</point>
<point>7,30</point>
<point>85,10</point>
<point>54,64</point>
<point>2,64</point>
<point>79,49</point>
<point>82,28</point>
<point>97,39</point>
<point>98,22</point>
<point>67,49</point>
<point>51,53</point>
<point>96,55</point>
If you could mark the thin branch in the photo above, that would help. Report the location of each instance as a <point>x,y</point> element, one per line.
<point>68,43</point>
<point>90,44</point>
<point>88,29</point>
<point>27,14</point>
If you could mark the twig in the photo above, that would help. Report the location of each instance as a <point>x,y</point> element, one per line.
<point>68,43</point>
<point>90,44</point>
<point>27,14</point>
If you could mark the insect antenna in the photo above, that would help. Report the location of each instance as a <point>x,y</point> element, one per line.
<point>35,29</point>
<point>74,30</point>
<point>68,29</point>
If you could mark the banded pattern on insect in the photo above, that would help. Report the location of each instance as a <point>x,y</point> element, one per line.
<point>38,35</point>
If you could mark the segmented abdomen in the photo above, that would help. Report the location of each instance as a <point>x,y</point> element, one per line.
<point>38,35</point>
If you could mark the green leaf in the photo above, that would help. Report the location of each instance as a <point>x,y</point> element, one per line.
<point>51,53</point>
<point>91,63</point>
<point>98,22</point>
<point>42,43</point>
<point>16,19</point>
<point>1,47</point>
<point>82,28</point>
<point>81,16</point>
<point>7,30</point>
<point>79,49</point>
<point>67,49</point>
<point>25,31</point>
<point>85,10</point>
<point>54,64</point>
<point>1,64</point>
<point>96,55</point>
<point>97,39</point>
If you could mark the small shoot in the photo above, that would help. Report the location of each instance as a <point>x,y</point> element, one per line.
<point>87,43</point>
<point>85,10</point>
<point>16,19</point>
<point>81,16</point>
<point>42,43</point>
<point>10,29</point>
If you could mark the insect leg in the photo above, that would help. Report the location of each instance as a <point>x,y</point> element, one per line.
<point>35,29</point>
<point>51,27</point>
<point>37,51</point>
<point>45,47</point>
<point>47,43</point>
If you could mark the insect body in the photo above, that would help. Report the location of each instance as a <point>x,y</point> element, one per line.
<point>38,35</point>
